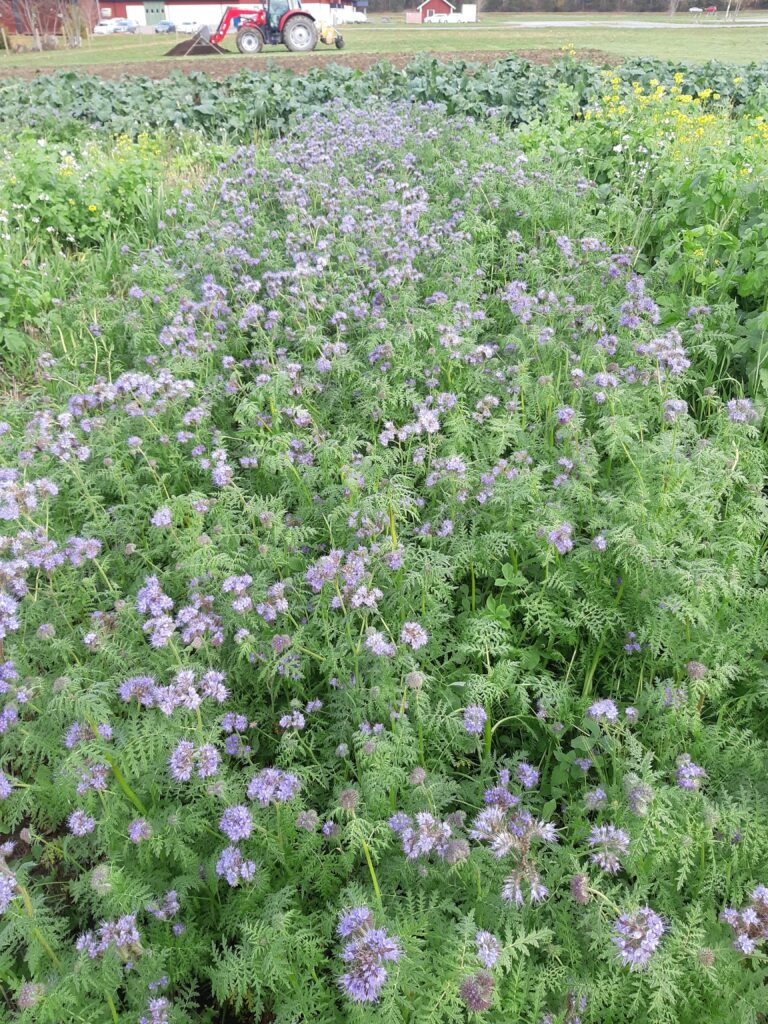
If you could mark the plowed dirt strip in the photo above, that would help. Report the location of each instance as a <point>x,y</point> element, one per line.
<point>222,67</point>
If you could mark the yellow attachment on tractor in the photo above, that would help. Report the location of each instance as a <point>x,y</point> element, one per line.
<point>330,35</point>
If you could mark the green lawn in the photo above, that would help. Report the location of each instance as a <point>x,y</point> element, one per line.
<point>506,33</point>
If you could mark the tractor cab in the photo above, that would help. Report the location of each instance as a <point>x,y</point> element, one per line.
<point>276,10</point>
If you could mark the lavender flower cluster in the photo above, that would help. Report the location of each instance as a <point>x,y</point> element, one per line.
<point>366,952</point>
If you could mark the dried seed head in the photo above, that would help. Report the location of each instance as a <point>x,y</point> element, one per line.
<point>476,991</point>
<point>30,995</point>
<point>349,799</point>
<point>580,888</point>
<point>456,851</point>
<point>696,670</point>
<point>414,680</point>
<point>100,882</point>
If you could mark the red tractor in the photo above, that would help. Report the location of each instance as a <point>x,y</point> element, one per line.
<point>276,22</point>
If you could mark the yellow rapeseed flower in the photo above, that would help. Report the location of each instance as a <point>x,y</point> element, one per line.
<point>93,208</point>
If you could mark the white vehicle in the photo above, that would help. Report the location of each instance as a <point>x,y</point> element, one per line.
<point>435,18</point>
<point>126,25</point>
<point>188,28</point>
<point>105,27</point>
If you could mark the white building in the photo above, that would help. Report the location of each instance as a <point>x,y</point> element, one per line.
<point>203,12</point>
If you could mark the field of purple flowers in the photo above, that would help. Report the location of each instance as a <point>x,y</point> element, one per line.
<point>382,611</point>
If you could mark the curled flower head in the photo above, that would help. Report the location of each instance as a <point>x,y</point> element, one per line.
<point>637,936</point>
<point>414,635</point>
<point>488,948</point>
<point>527,775</point>
<point>366,954</point>
<point>608,843</point>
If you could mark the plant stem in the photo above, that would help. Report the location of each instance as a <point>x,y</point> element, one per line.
<point>35,930</point>
<point>372,872</point>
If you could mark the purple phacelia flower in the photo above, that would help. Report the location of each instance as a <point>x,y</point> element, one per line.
<point>560,538</point>
<point>595,799</point>
<point>162,517</point>
<point>696,670</point>
<point>273,785</point>
<point>741,410</point>
<point>295,720</point>
<point>414,635</point>
<point>475,718</point>
<point>181,761</point>
<point>207,760</point>
<point>637,936</point>
<point>639,795</point>
<point>688,774</point>
<point>80,823</point>
<point>424,835</point>
<point>138,830</point>
<point>378,644</point>
<point>603,711</point>
<point>307,820</point>
<point>527,775</point>
<point>608,843</point>
<point>233,867</point>
<point>8,891</point>
<point>236,823</point>
<point>674,408</point>
<point>488,948</point>
<point>750,924</point>
<point>366,953</point>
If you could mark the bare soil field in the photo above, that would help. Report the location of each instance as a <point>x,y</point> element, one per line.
<point>221,67</point>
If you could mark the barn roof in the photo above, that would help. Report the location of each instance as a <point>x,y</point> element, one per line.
<point>425,2</point>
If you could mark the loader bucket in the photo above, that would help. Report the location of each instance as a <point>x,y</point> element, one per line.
<point>197,46</point>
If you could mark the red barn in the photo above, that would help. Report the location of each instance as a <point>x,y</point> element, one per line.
<point>435,7</point>
<point>22,17</point>
<point>15,17</point>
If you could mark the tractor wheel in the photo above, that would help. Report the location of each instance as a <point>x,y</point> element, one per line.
<point>300,34</point>
<point>339,42</point>
<point>249,40</point>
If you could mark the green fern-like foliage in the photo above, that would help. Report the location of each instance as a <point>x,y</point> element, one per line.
<point>385,501</point>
